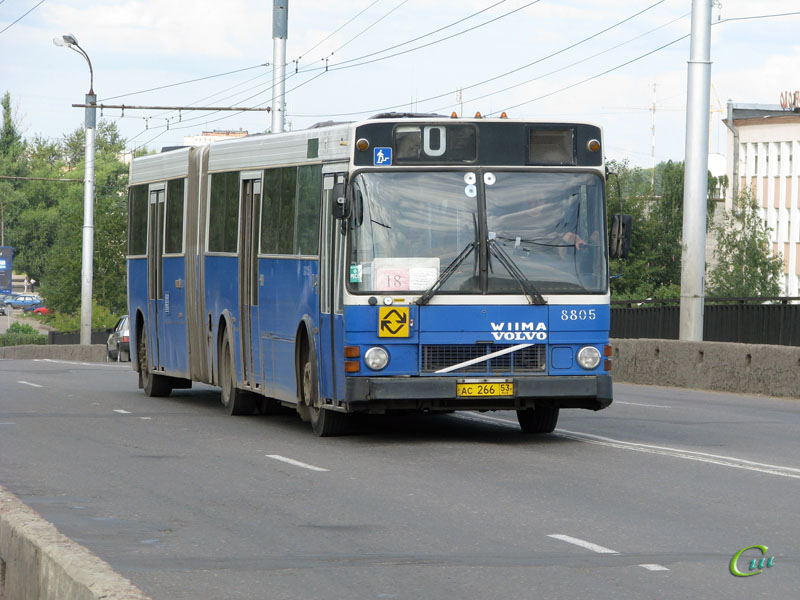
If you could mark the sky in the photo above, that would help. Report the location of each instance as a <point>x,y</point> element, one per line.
<point>618,63</point>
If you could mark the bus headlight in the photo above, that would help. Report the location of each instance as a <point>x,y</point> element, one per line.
<point>588,357</point>
<point>376,358</point>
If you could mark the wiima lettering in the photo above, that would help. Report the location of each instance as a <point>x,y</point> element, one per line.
<point>515,331</point>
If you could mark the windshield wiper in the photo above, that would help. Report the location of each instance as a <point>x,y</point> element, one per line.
<point>445,275</point>
<point>527,287</point>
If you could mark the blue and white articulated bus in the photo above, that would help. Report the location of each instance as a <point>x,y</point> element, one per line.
<point>402,263</point>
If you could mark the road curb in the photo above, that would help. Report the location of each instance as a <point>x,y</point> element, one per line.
<point>76,352</point>
<point>716,366</point>
<point>39,562</point>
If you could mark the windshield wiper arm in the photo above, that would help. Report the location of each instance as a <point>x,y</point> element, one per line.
<point>527,287</point>
<point>445,275</point>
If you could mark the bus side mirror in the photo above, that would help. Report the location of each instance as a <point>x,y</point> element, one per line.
<point>619,242</point>
<point>340,205</point>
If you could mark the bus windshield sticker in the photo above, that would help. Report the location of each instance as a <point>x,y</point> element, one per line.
<point>404,274</point>
<point>355,273</point>
<point>382,157</point>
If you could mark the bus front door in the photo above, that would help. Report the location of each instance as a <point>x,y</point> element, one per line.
<point>330,351</point>
<point>250,281</point>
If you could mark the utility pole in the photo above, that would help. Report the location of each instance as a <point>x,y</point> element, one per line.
<point>653,146</point>
<point>280,20</point>
<point>695,187</point>
<point>87,252</point>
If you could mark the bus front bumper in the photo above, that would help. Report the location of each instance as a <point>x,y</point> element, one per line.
<point>379,394</point>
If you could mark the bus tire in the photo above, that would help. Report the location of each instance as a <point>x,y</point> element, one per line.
<point>542,419</point>
<point>154,385</point>
<point>236,402</point>
<point>324,422</point>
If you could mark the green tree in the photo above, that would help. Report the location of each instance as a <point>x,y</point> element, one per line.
<point>745,266</point>
<point>12,164</point>
<point>653,269</point>
<point>61,281</point>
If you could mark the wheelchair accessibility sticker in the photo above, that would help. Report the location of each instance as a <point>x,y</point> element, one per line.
<point>382,157</point>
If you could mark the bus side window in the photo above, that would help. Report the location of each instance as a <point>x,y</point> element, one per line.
<point>309,181</point>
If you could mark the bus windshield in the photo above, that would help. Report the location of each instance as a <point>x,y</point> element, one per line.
<point>407,227</point>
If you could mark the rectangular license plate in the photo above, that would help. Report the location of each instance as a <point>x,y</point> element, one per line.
<point>484,389</point>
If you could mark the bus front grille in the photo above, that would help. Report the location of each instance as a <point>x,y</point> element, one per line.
<point>526,360</point>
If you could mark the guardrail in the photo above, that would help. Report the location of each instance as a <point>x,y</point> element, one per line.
<point>774,321</point>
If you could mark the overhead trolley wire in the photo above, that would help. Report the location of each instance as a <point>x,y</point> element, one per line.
<point>335,31</point>
<point>607,71</point>
<point>163,87</point>
<point>323,69</point>
<point>345,64</point>
<point>525,66</point>
<point>10,25</point>
<point>573,64</point>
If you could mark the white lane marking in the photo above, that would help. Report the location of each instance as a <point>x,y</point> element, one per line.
<point>600,549</point>
<point>145,418</point>
<point>654,567</point>
<point>296,463</point>
<point>122,412</point>
<point>7,423</point>
<point>714,459</point>
<point>639,404</point>
<point>85,364</point>
<point>30,384</point>
<point>582,543</point>
<point>483,418</point>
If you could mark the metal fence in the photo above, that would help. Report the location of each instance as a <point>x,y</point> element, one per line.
<point>745,320</point>
<point>56,337</point>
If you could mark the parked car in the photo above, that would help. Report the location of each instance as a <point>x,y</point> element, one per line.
<point>2,310</point>
<point>118,344</point>
<point>41,310</point>
<point>24,300</point>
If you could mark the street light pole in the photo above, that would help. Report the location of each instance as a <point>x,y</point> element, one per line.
<point>87,253</point>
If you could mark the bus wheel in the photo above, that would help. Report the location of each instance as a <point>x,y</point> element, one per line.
<point>235,401</point>
<point>154,385</point>
<point>325,423</point>
<point>543,419</point>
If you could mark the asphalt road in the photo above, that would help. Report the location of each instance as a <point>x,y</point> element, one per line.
<point>648,499</point>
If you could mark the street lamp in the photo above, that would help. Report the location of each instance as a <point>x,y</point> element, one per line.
<point>87,255</point>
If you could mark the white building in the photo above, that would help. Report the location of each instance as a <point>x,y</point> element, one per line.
<point>212,136</point>
<point>768,139</point>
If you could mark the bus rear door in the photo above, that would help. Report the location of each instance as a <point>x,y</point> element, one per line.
<point>249,279</point>
<point>155,283</point>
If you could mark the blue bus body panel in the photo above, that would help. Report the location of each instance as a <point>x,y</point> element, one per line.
<point>330,344</point>
<point>562,328</point>
<point>137,298</point>
<point>174,351</point>
<point>223,296</point>
<point>288,295</point>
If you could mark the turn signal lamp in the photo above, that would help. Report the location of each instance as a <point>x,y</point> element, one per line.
<point>352,366</point>
<point>478,115</point>
<point>593,145</point>
<point>362,144</point>
<point>453,115</point>
<point>352,351</point>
